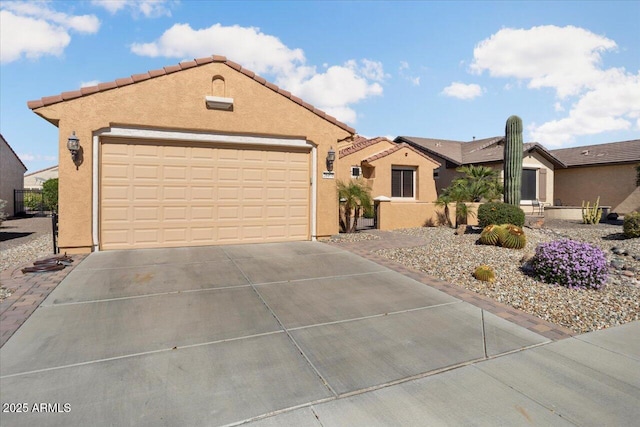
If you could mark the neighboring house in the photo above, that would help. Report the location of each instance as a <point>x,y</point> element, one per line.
<point>34,180</point>
<point>538,164</point>
<point>605,170</point>
<point>400,177</point>
<point>203,152</point>
<point>11,174</point>
<point>397,171</point>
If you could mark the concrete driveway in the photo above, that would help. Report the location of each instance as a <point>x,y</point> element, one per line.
<point>304,331</point>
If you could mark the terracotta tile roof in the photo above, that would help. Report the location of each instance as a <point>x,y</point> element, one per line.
<point>85,91</point>
<point>613,152</point>
<point>360,143</point>
<point>477,151</point>
<point>392,150</point>
<point>14,153</point>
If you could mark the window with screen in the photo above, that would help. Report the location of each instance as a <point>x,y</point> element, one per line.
<point>355,172</point>
<point>402,182</point>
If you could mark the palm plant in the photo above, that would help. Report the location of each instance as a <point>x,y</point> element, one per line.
<point>481,182</point>
<point>355,198</point>
<point>457,193</point>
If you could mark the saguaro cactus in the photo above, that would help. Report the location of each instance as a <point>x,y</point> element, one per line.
<point>513,161</point>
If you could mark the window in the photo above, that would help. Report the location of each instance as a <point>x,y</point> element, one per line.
<point>402,182</point>
<point>528,189</point>
<point>355,172</point>
<point>436,173</point>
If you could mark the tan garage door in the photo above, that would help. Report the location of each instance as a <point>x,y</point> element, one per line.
<point>165,194</point>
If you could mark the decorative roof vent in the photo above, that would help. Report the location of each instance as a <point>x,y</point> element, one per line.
<point>585,153</point>
<point>219,103</point>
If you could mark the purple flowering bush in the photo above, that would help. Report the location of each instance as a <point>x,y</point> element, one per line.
<point>570,263</point>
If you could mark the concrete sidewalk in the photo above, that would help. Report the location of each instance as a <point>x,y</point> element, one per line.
<point>296,334</point>
<point>589,380</point>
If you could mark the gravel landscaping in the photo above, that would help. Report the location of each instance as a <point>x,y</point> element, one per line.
<point>454,258</point>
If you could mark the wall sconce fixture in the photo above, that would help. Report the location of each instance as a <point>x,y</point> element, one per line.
<point>331,157</point>
<point>73,144</point>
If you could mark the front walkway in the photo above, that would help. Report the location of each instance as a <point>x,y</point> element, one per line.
<point>390,240</point>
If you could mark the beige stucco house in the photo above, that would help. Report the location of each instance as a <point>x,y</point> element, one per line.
<point>200,153</point>
<point>396,171</point>
<point>34,180</point>
<point>400,178</point>
<point>539,165</point>
<point>607,171</point>
<point>11,174</point>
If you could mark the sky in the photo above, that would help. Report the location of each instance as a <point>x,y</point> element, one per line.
<point>450,70</point>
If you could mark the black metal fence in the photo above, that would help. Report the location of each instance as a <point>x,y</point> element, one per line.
<point>54,228</point>
<point>28,201</point>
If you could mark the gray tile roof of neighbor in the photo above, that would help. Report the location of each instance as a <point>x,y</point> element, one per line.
<point>476,151</point>
<point>613,152</point>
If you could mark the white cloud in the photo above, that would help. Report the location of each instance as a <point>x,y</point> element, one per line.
<point>333,90</point>
<point>89,83</point>
<point>567,60</point>
<point>404,69</point>
<point>34,29</point>
<point>611,106</point>
<point>148,8</point>
<point>29,157</point>
<point>249,46</point>
<point>462,90</point>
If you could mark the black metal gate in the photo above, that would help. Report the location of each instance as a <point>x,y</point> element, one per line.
<point>54,227</point>
<point>29,201</point>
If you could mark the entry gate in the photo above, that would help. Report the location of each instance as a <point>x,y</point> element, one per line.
<point>27,201</point>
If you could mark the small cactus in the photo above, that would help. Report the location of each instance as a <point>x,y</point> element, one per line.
<point>491,234</point>
<point>591,215</point>
<point>485,273</point>
<point>513,237</point>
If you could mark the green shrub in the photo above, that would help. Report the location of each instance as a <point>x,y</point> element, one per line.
<point>33,201</point>
<point>50,194</point>
<point>500,213</point>
<point>631,225</point>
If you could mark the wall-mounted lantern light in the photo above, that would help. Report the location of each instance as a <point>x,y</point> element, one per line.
<point>331,157</point>
<point>73,144</point>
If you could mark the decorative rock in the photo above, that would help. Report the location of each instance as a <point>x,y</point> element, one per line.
<point>527,257</point>
<point>619,251</point>
<point>453,260</point>
<point>617,264</point>
<point>612,216</point>
<point>628,273</point>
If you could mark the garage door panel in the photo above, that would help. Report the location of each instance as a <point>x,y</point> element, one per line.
<point>146,172</point>
<point>202,173</point>
<point>145,151</point>
<point>205,194</point>
<point>167,195</point>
